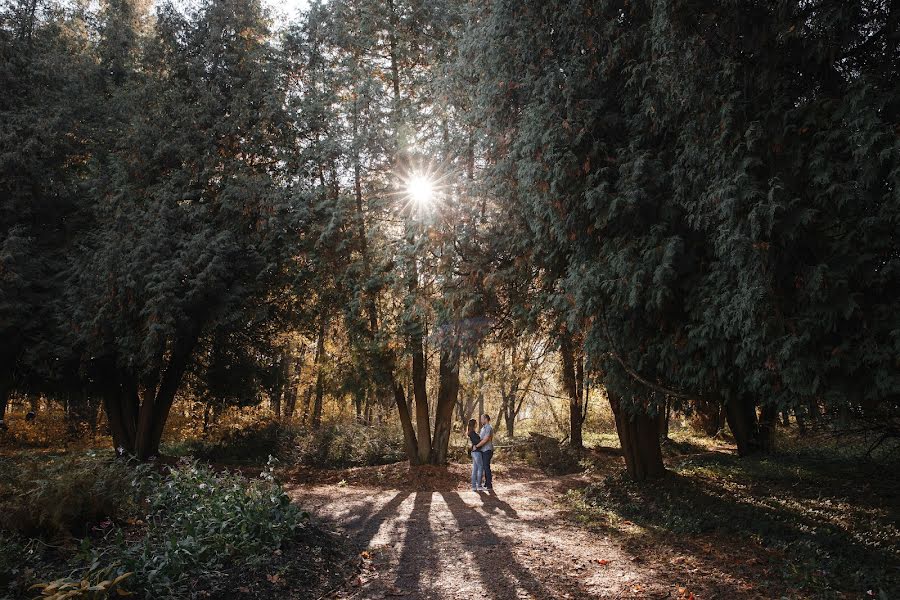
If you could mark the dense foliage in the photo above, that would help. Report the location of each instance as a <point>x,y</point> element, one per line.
<point>694,204</point>
<point>187,529</point>
<point>710,191</point>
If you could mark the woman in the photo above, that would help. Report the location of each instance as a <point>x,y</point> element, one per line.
<point>477,468</point>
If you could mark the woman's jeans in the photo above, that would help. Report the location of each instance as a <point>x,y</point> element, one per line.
<point>477,469</point>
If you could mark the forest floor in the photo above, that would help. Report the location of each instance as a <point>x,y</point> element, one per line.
<point>432,537</point>
<point>423,533</point>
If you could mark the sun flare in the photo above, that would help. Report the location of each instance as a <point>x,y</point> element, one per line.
<point>420,190</point>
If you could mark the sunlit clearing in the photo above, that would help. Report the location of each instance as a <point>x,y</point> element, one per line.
<point>420,190</point>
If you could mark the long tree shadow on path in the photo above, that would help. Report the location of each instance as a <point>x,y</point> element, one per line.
<point>501,573</point>
<point>365,526</point>
<point>491,502</point>
<point>418,553</point>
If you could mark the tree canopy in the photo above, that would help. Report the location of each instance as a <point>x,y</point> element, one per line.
<point>694,203</point>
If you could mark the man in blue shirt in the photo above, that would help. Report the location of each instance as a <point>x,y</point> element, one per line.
<point>486,447</point>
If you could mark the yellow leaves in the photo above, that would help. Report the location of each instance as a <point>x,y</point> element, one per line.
<point>64,589</point>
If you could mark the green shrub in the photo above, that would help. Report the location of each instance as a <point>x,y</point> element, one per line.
<point>66,495</point>
<point>252,444</point>
<point>349,445</point>
<point>202,522</point>
<point>336,445</point>
<point>548,454</point>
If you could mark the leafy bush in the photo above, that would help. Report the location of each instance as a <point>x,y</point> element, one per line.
<point>66,495</point>
<point>349,445</point>
<point>252,444</point>
<point>202,522</point>
<point>171,528</point>
<point>336,445</point>
<point>549,455</point>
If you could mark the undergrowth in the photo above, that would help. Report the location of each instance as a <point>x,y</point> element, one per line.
<point>177,530</point>
<point>333,445</point>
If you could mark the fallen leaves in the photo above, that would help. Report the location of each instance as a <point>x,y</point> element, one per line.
<point>685,594</point>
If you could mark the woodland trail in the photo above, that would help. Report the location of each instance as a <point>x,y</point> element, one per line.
<point>438,540</point>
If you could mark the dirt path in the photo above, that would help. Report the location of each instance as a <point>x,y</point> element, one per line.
<point>439,540</point>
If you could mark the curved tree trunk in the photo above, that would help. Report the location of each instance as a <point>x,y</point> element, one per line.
<point>448,393</point>
<point>409,434</point>
<point>152,419</point>
<point>639,437</point>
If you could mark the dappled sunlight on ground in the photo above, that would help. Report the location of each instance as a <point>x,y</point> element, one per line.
<point>445,542</point>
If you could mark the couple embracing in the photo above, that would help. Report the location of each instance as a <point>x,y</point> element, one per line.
<point>482,452</point>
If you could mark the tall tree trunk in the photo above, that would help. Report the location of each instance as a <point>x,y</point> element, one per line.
<point>293,384</point>
<point>664,421</point>
<point>480,392</point>
<point>423,424</point>
<point>370,297</point>
<point>5,392</point>
<point>278,385</point>
<point>207,414</point>
<point>114,404</point>
<point>639,438</point>
<point>395,67</point>
<point>509,414</point>
<point>152,418</point>
<point>307,401</point>
<point>417,349</point>
<point>316,419</point>
<point>801,422</point>
<point>367,411</point>
<point>290,404</point>
<point>571,385</point>
<point>358,400</point>
<point>708,415</point>
<point>768,418</point>
<point>740,411</point>
<point>448,394</point>
<point>814,413</point>
<point>409,434</point>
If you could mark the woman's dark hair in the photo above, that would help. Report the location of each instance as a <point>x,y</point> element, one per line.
<point>472,424</point>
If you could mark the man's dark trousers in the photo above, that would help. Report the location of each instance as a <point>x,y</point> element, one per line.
<point>486,456</point>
